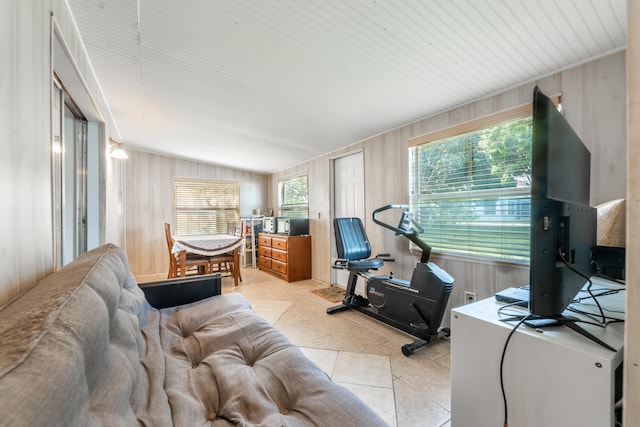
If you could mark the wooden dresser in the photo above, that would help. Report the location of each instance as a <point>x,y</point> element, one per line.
<point>287,257</point>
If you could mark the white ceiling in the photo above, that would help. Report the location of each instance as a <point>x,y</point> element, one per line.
<point>266,84</point>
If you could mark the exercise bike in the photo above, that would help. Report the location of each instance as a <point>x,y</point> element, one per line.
<point>415,307</point>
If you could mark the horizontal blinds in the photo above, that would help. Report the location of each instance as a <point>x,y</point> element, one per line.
<point>294,197</point>
<point>471,191</point>
<point>205,206</point>
<point>491,225</point>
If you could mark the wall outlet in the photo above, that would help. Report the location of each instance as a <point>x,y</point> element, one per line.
<point>469,297</point>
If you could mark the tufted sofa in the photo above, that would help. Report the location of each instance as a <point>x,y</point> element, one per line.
<point>85,347</point>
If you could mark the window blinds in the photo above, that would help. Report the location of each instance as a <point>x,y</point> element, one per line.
<point>294,197</point>
<point>205,206</point>
<point>471,191</point>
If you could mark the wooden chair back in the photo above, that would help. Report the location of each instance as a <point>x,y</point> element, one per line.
<point>173,263</point>
<point>195,264</point>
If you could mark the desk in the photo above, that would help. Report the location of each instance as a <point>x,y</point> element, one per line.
<point>210,246</point>
<point>552,378</point>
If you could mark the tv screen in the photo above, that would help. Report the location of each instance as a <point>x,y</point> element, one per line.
<point>563,225</point>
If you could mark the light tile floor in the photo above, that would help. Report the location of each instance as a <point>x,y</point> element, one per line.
<point>356,351</point>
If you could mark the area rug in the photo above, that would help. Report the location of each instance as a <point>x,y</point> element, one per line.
<point>332,293</point>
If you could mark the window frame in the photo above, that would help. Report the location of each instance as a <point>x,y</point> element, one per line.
<point>293,210</point>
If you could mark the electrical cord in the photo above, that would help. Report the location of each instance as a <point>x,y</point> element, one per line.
<point>566,263</point>
<point>593,316</point>
<point>504,352</point>
<point>602,293</point>
<point>611,279</point>
<point>596,293</point>
<point>510,310</point>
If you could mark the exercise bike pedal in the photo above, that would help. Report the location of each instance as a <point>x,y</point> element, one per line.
<point>348,302</point>
<point>358,301</point>
<point>419,326</point>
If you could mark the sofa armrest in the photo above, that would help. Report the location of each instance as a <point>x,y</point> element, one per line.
<point>182,290</point>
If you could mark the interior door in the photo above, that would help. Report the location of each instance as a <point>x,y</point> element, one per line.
<point>348,201</point>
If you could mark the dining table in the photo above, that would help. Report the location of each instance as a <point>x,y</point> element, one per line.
<point>209,246</point>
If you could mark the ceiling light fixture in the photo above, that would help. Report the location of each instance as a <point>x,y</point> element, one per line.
<point>117,150</point>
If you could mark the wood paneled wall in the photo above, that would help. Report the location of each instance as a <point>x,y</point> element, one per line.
<point>26,213</point>
<point>593,97</point>
<point>631,391</point>
<point>149,204</point>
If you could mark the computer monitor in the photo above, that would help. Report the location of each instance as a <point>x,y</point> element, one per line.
<point>563,225</point>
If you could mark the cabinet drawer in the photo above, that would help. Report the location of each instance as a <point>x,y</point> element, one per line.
<point>279,266</point>
<point>279,243</point>
<point>279,255</point>
<point>264,262</point>
<point>264,251</point>
<point>264,241</point>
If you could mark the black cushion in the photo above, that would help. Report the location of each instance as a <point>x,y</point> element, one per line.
<point>364,264</point>
<point>351,239</point>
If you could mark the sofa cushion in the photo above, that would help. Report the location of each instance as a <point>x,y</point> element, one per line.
<point>230,366</point>
<point>71,349</point>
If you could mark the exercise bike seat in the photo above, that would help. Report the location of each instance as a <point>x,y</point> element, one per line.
<point>363,264</point>
<point>353,245</point>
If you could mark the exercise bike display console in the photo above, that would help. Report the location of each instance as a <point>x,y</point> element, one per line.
<point>417,306</point>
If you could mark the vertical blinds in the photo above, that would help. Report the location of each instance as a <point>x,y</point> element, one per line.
<point>205,206</point>
<point>471,191</point>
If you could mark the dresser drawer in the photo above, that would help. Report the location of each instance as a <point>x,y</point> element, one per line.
<point>279,243</point>
<point>279,266</point>
<point>264,240</point>
<point>279,255</point>
<point>264,262</point>
<point>264,251</point>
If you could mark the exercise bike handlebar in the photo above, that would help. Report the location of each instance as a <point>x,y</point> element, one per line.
<point>411,231</point>
<point>384,224</point>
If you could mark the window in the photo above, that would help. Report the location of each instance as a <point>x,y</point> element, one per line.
<point>293,197</point>
<point>205,206</point>
<point>471,185</point>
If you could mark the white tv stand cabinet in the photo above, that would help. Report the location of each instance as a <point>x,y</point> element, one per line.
<point>552,378</point>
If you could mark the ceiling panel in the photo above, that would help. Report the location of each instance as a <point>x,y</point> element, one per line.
<point>264,84</point>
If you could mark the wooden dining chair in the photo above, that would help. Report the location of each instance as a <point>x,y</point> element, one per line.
<point>222,263</point>
<point>193,264</point>
<point>227,263</point>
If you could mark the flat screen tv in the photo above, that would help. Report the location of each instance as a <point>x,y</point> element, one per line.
<point>563,225</point>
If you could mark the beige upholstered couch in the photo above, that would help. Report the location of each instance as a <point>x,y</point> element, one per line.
<point>84,347</point>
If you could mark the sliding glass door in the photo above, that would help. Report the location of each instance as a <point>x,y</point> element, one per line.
<point>69,169</point>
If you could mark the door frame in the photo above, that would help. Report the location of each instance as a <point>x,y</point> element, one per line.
<point>332,195</point>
